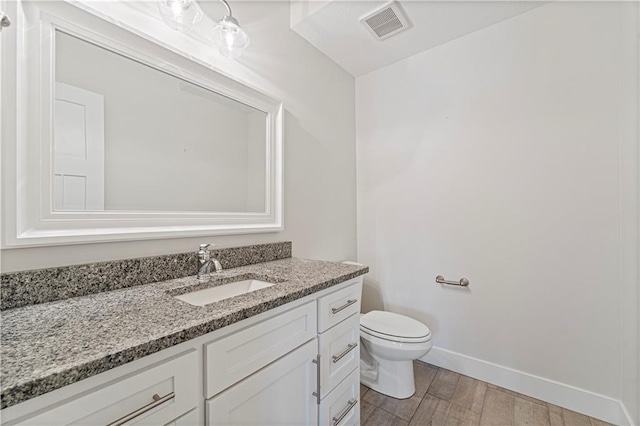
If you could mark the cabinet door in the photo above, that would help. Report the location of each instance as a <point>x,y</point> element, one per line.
<point>279,394</point>
<point>241,354</point>
<point>339,353</point>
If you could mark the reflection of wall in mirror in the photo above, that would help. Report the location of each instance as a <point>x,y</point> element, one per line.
<point>168,148</point>
<point>256,163</point>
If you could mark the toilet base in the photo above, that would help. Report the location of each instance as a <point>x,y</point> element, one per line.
<point>395,379</point>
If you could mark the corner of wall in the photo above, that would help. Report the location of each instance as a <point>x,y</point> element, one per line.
<point>630,219</point>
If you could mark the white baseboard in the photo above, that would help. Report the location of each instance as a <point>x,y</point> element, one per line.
<point>575,399</point>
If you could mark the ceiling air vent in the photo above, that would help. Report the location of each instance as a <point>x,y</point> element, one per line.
<point>387,21</point>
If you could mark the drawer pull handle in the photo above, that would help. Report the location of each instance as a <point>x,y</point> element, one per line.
<point>352,403</point>
<point>343,307</point>
<point>341,355</point>
<point>140,411</point>
<point>316,361</point>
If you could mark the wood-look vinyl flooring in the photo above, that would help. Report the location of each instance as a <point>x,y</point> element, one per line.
<point>446,398</point>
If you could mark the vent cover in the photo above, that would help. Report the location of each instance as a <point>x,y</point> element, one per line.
<point>386,21</point>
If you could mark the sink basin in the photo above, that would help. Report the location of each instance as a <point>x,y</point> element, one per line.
<point>221,292</point>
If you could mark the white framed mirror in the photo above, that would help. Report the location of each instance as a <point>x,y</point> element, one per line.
<point>119,138</point>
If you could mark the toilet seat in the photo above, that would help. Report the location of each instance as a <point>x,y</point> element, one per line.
<point>394,327</point>
<point>368,335</point>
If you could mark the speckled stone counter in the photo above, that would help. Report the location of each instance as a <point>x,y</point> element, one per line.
<point>24,288</point>
<point>51,345</point>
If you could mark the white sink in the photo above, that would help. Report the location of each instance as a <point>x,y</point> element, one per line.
<point>221,292</point>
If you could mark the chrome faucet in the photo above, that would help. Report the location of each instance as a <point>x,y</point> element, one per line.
<point>206,262</point>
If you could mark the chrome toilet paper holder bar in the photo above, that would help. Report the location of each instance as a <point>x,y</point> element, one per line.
<point>462,283</point>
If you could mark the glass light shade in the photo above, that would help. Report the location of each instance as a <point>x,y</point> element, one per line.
<point>230,38</point>
<point>181,15</point>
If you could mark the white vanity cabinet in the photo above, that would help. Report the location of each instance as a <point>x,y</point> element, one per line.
<point>342,406</point>
<point>339,353</point>
<point>265,374</point>
<point>317,383</point>
<point>279,394</point>
<point>154,395</point>
<point>297,364</point>
<point>339,346</point>
<point>232,358</point>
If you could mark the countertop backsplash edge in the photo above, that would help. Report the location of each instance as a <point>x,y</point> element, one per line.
<point>31,287</point>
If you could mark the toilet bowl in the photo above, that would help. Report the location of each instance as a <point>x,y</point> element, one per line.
<point>394,341</point>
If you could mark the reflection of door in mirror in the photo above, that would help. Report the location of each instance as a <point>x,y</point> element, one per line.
<point>78,161</point>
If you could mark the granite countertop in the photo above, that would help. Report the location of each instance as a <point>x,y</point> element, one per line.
<point>51,345</point>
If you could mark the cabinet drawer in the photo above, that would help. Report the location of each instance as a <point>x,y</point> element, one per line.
<point>338,306</point>
<point>280,394</point>
<point>339,352</point>
<point>156,395</point>
<point>232,358</point>
<point>342,406</point>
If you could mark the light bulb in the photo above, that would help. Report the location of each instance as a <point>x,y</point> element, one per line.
<point>181,15</point>
<point>230,38</point>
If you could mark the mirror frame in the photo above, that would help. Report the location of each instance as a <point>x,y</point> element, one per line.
<point>27,136</point>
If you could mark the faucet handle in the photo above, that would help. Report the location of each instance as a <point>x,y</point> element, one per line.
<point>204,253</point>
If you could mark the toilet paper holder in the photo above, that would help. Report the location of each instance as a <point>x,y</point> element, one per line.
<point>463,281</point>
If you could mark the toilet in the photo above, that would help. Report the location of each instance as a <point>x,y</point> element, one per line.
<point>391,343</point>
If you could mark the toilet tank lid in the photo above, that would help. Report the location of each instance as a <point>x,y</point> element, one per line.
<point>392,324</point>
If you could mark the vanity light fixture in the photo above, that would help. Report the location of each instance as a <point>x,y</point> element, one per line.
<point>230,38</point>
<point>181,15</point>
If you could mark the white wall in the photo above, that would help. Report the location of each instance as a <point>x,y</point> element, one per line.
<point>497,157</point>
<point>319,135</point>
<point>630,229</point>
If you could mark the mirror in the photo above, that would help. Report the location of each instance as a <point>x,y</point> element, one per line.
<point>130,137</point>
<point>115,135</point>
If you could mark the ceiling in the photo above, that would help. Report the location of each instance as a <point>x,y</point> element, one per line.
<point>334,28</point>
